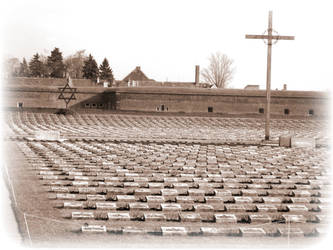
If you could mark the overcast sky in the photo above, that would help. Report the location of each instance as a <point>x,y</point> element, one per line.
<point>168,38</point>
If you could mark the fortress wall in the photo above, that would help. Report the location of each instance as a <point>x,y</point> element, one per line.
<point>46,97</point>
<point>167,84</point>
<point>226,102</point>
<point>185,100</point>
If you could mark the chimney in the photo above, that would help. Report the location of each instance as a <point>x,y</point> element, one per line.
<point>284,86</point>
<point>197,74</point>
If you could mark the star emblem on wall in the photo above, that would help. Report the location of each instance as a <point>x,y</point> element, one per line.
<point>67,93</point>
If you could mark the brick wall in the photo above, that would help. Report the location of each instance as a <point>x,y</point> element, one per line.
<point>167,84</point>
<point>188,100</point>
<point>39,97</point>
<point>295,103</point>
<point>159,84</point>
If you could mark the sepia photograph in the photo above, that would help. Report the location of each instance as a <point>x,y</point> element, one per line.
<point>166,124</point>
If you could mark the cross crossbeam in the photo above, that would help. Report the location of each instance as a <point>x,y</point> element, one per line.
<point>273,37</point>
<point>269,38</point>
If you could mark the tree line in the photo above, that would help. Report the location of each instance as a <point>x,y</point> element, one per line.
<point>219,72</point>
<point>77,65</point>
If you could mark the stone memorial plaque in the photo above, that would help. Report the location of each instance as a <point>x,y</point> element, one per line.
<point>126,198</point>
<point>303,142</point>
<point>291,232</point>
<point>173,230</point>
<point>154,217</point>
<point>96,197</point>
<point>260,218</point>
<point>154,199</point>
<point>297,218</point>
<point>48,135</point>
<point>106,205</point>
<point>252,232</point>
<point>82,215</point>
<point>119,216</point>
<point>171,207</point>
<point>66,196</point>
<point>138,206</point>
<point>225,218</point>
<point>192,217</point>
<point>93,229</point>
<point>73,204</point>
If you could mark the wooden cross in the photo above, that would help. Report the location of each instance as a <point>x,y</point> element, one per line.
<point>270,37</point>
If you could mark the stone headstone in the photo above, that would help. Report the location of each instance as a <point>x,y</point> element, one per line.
<point>285,141</point>
<point>119,216</point>
<point>303,142</point>
<point>93,228</point>
<point>82,215</point>
<point>154,217</point>
<point>173,231</point>
<point>225,218</point>
<point>253,232</point>
<point>47,135</point>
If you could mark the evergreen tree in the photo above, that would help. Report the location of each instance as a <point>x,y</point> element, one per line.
<point>105,72</point>
<point>24,68</point>
<point>90,68</point>
<point>55,64</point>
<point>36,66</point>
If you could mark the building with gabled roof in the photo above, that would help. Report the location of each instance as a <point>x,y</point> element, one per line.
<point>137,75</point>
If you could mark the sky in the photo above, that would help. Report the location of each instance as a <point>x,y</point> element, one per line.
<point>168,38</point>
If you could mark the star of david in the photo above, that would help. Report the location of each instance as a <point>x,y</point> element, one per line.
<point>67,93</point>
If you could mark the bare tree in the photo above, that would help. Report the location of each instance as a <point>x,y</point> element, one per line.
<point>220,71</point>
<point>74,64</point>
<point>11,67</point>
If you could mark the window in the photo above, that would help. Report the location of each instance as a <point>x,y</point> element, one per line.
<point>261,110</point>
<point>20,105</point>
<point>94,105</point>
<point>162,107</point>
<point>87,105</point>
<point>210,109</point>
<point>100,105</point>
<point>311,112</point>
<point>286,111</point>
<point>157,108</point>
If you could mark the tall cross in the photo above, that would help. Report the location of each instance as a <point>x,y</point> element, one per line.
<point>270,37</point>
